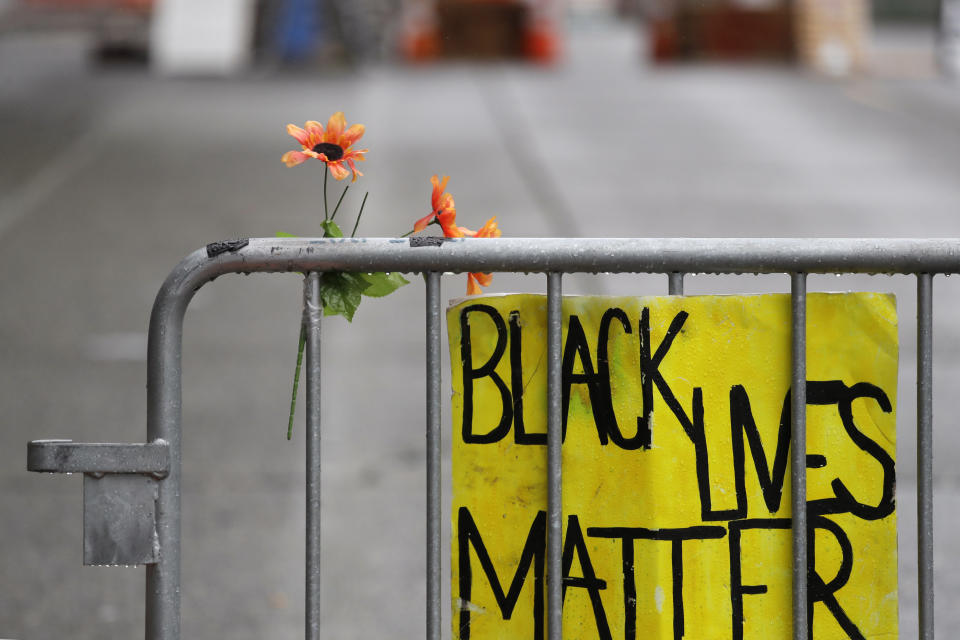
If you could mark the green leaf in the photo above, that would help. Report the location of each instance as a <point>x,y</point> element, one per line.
<point>284,234</point>
<point>382,284</point>
<point>341,293</point>
<point>330,229</point>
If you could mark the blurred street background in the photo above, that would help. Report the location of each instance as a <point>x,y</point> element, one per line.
<point>134,132</point>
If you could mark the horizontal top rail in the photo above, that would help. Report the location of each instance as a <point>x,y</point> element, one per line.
<point>600,255</point>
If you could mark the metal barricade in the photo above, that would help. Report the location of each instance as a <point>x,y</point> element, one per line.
<point>132,491</point>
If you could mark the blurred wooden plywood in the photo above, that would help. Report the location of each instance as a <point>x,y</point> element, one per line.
<point>723,31</point>
<point>481,30</point>
<point>833,35</point>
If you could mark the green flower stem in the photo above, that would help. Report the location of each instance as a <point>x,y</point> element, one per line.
<point>296,378</point>
<point>357,223</point>
<point>337,208</point>
<point>326,170</point>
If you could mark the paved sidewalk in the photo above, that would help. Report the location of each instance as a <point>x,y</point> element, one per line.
<point>108,178</point>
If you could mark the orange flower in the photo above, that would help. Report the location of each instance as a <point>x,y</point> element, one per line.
<point>333,147</point>
<point>477,280</point>
<point>488,230</point>
<point>444,212</point>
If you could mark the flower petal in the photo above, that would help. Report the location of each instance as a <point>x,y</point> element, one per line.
<point>293,158</point>
<point>484,279</point>
<point>335,127</point>
<point>438,189</point>
<point>451,231</point>
<point>448,222</point>
<point>422,223</point>
<point>298,133</point>
<point>314,133</point>
<point>353,167</point>
<point>445,204</point>
<point>355,154</point>
<point>489,229</point>
<point>337,170</point>
<point>473,288</point>
<point>351,135</point>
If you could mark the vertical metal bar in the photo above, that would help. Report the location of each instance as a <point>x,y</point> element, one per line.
<point>312,313</point>
<point>554,456</point>
<point>434,509</point>
<point>925,452</point>
<point>798,468</point>
<point>675,283</point>
<point>164,413</point>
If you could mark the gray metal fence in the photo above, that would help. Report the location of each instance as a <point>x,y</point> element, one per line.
<point>132,491</point>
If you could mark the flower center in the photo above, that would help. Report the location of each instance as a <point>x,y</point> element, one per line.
<point>333,151</point>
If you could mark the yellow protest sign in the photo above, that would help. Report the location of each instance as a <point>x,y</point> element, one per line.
<point>676,467</point>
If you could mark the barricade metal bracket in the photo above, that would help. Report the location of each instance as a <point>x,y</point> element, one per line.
<point>120,490</point>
